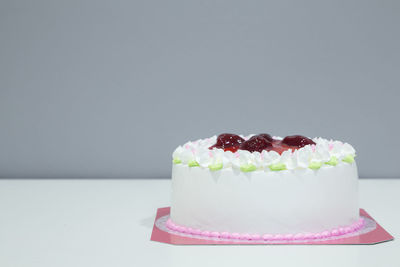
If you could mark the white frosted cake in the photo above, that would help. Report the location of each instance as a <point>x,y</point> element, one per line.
<point>263,187</point>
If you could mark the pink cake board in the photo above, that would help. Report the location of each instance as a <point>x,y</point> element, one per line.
<point>366,237</point>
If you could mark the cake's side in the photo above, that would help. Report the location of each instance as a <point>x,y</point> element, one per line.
<point>265,202</point>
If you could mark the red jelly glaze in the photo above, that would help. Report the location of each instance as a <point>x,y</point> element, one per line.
<point>228,142</point>
<point>256,143</point>
<point>232,149</point>
<point>279,147</point>
<point>297,141</point>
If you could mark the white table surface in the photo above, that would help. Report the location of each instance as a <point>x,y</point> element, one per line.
<point>109,222</point>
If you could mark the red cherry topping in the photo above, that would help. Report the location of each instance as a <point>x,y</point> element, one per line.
<point>228,142</point>
<point>297,141</point>
<point>256,143</point>
<point>266,136</point>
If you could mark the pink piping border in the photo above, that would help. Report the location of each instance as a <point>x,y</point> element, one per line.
<point>268,237</point>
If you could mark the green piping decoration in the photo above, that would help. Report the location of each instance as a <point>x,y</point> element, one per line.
<point>248,168</point>
<point>215,167</point>
<point>277,167</point>
<point>333,161</point>
<point>176,161</point>
<point>315,165</point>
<point>193,163</point>
<point>348,159</point>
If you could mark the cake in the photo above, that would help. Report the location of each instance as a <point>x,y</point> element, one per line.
<point>263,187</point>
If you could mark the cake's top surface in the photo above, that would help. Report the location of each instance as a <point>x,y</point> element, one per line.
<point>263,152</point>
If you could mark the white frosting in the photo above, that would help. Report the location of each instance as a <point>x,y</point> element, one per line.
<point>273,202</point>
<point>322,152</point>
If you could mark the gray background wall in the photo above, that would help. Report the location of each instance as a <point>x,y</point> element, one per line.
<point>109,89</point>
